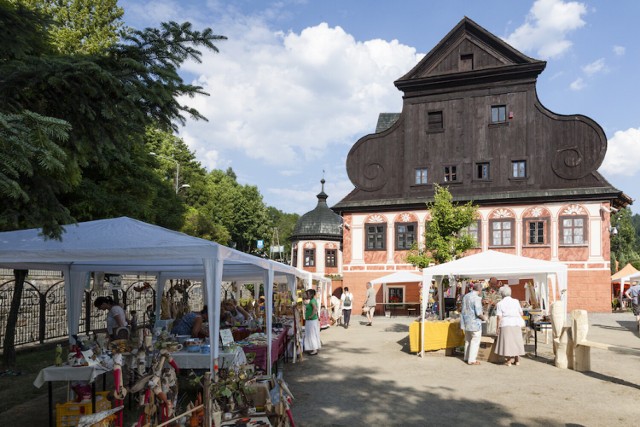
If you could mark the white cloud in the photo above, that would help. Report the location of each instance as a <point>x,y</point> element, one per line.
<point>595,67</point>
<point>286,98</point>
<point>623,153</point>
<point>619,50</point>
<point>578,84</point>
<point>546,27</point>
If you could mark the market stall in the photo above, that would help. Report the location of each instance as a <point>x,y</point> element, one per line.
<point>394,293</point>
<point>124,245</point>
<point>491,263</point>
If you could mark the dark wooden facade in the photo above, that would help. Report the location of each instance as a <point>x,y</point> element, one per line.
<point>446,125</point>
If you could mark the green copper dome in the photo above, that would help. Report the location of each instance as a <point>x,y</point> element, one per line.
<point>319,224</point>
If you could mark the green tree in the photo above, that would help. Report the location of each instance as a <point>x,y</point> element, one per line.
<point>444,233</point>
<point>623,242</point>
<point>80,26</point>
<point>284,223</point>
<point>108,99</point>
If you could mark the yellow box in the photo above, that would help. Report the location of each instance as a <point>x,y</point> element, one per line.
<point>437,335</point>
<point>68,414</point>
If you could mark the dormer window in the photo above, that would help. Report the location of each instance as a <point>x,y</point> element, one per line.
<point>466,62</point>
<point>498,114</point>
<point>450,174</point>
<point>519,169</point>
<point>434,121</point>
<point>421,176</point>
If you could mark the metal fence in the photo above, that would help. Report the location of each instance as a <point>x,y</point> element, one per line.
<point>43,306</point>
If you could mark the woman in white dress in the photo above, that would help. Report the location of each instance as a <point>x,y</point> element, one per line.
<point>312,323</point>
<point>509,328</point>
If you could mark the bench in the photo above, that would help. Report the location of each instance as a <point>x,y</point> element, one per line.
<point>570,344</point>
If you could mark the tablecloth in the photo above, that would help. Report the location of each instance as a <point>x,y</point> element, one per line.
<point>69,373</point>
<point>437,335</point>
<point>277,349</point>
<point>233,357</point>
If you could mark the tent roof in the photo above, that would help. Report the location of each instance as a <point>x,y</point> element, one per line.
<point>627,270</point>
<point>492,263</point>
<point>125,245</point>
<point>398,277</point>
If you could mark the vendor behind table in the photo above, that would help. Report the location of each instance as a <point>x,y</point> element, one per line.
<point>116,317</point>
<point>193,324</point>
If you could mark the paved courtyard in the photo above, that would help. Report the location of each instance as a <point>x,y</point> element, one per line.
<point>365,376</point>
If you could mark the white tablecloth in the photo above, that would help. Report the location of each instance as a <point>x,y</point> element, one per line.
<point>68,373</point>
<point>186,360</point>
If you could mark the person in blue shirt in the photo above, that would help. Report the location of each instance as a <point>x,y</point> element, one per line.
<point>470,323</point>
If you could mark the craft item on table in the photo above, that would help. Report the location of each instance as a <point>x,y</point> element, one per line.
<point>58,361</point>
<point>100,419</point>
<point>76,358</point>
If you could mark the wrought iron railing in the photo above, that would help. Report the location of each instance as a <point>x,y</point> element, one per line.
<point>43,307</point>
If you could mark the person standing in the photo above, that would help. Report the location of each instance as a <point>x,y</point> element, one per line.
<point>335,304</point>
<point>347,302</point>
<point>633,293</point>
<point>312,323</point>
<point>369,306</point>
<point>470,323</point>
<point>509,328</point>
<point>490,298</point>
<point>116,317</point>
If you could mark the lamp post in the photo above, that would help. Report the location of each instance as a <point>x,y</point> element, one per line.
<point>178,187</point>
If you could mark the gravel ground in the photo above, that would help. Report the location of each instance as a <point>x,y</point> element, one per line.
<point>366,376</point>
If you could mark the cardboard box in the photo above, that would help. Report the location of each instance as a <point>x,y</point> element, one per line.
<point>486,352</point>
<point>259,395</point>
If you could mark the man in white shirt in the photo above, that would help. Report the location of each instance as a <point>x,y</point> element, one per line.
<point>347,302</point>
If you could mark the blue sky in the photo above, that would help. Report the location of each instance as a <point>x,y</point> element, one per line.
<point>299,82</point>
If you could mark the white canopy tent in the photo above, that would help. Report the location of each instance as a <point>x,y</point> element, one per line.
<point>403,276</point>
<point>492,263</point>
<point>124,245</point>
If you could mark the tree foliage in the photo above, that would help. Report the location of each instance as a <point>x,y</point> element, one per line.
<point>80,26</point>
<point>623,243</point>
<point>445,238</point>
<point>109,98</point>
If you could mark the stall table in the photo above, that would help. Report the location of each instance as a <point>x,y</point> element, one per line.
<point>69,373</point>
<point>278,347</point>
<point>438,335</point>
<point>233,356</point>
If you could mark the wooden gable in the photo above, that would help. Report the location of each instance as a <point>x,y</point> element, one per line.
<point>446,134</point>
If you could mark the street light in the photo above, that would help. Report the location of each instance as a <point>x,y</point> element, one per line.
<point>178,187</point>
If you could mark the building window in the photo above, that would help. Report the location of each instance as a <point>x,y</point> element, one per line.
<point>482,171</point>
<point>330,258</point>
<point>309,257</point>
<point>535,232</point>
<point>421,176</point>
<point>376,237</point>
<point>450,173</point>
<point>466,62</point>
<point>396,294</point>
<point>473,230</point>
<point>434,120</point>
<point>294,261</point>
<point>573,230</point>
<point>519,169</point>
<point>405,235</point>
<point>498,114</point>
<point>502,232</point>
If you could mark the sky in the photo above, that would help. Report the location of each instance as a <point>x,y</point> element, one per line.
<point>298,82</point>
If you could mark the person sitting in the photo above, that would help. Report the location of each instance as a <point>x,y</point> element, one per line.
<point>237,313</point>
<point>192,324</point>
<point>116,317</point>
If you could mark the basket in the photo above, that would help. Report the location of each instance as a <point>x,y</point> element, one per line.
<point>68,414</point>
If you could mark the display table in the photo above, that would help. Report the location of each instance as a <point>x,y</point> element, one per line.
<point>69,373</point>
<point>278,346</point>
<point>437,335</point>
<point>234,356</point>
